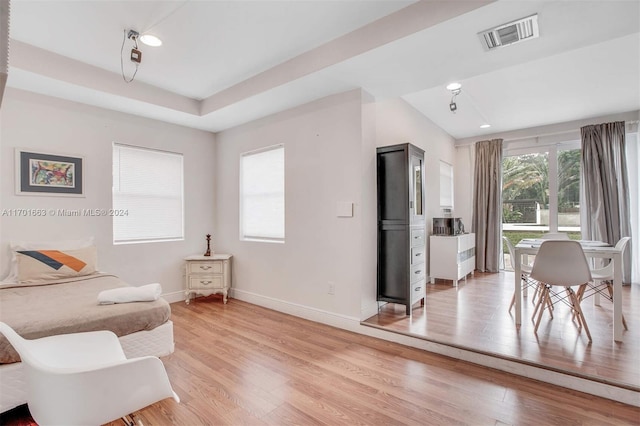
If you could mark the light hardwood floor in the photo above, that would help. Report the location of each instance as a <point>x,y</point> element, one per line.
<point>240,364</point>
<point>475,315</point>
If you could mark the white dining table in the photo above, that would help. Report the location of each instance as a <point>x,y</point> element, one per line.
<point>592,249</point>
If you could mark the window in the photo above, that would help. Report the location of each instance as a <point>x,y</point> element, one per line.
<point>446,185</point>
<point>262,194</point>
<point>147,195</point>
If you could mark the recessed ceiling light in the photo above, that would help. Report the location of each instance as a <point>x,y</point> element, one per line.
<point>150,40</point>
<point>454,86</point>
<point>485,126</point>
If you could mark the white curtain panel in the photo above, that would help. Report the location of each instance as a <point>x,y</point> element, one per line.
<point>633,162</point>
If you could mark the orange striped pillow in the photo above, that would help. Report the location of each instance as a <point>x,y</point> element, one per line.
<point>43,265</point>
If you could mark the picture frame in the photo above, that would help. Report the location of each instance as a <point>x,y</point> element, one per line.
<point>49,174</point>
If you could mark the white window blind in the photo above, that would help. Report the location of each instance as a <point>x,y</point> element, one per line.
<point>147,195</point>
<point>262,194</point>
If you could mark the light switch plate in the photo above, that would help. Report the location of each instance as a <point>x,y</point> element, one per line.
<point>344,209</point>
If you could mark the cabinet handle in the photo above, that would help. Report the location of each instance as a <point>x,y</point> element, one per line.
<point>416,237</point>
<point>206,267</point>
<point>418,272</point>
<point>205,282</point>
<point>418,254</point>
<point>418,289</point>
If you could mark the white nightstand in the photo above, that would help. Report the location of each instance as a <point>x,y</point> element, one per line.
<point>207,275</point>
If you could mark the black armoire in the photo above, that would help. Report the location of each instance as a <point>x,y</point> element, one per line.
<point>401,225</point>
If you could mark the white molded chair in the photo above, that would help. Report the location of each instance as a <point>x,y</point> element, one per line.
<point>554,236</point>
<point>603,281</point>
<point>85,378</point>
<point>560,263</point>
<point>524,275</point>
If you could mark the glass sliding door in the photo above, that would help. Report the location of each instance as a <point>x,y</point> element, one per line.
<point>540,193</point>
<point>569,192</point>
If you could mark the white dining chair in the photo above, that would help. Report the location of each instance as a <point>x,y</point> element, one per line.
<point>85,378</point>
<point>560,263</point>
<point>602,284</point>
<point>525,275</point>
<point>554,236</point>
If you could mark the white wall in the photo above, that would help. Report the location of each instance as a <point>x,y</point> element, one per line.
<point>398,122</point>
<point>329,157</point>
<point>44,124</point>
<point>323,166</point>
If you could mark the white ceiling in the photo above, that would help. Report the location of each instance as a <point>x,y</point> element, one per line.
<point>224,63</point>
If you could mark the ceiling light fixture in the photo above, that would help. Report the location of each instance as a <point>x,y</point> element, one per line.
<point>454,86</point>
<point>150,40</point>
<point>455,89</point>
<point>135,56</point>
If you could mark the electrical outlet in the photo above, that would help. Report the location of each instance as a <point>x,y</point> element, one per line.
<point>332,288</point>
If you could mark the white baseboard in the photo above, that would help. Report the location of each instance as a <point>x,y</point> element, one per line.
<point>306,312</point>
<point>369,309</point>
<point>174,296</point>
<point>353,324</point>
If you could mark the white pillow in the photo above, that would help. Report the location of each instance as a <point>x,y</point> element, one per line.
<point>41,245</point>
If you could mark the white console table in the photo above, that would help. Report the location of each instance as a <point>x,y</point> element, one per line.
<point>452,257</point>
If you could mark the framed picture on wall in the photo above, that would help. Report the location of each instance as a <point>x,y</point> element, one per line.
<point>48,174</point>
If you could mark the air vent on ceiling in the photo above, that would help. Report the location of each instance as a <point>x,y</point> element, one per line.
<point>513,32</point>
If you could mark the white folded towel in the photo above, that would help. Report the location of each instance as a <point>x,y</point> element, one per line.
<point>145,293</point>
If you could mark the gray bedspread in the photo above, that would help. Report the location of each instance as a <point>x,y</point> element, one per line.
<point>70,306</point>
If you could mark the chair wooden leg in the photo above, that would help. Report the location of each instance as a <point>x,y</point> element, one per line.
<point>573,310</point>
<point>576,306</point>
<point>513,301</point>
<point>543,302</point>
<point>580,292</point>
<point>549,303</point>
<point>131,420</point>
<point>536,293</point>
<point>543,299</point>
<point>537,305</point>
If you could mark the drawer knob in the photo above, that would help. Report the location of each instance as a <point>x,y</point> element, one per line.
<point>205,282</point>
<point>205,267</point>
<point>418,254</point>
<point>418,272</point>
<point>418,288</point>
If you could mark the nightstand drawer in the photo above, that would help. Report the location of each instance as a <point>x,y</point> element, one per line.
<point>209,281</point>
<point>204,268</point>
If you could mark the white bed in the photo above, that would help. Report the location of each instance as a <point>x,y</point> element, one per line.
<point>52,288</point>
<point>68,306</point>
